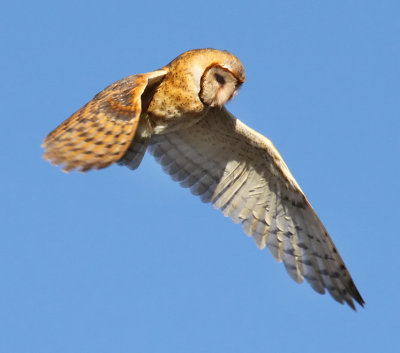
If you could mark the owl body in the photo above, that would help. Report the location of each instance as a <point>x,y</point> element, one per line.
<point>178,114</point>
<point>180,111</point>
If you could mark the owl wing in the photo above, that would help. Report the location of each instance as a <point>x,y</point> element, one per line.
<point>240,172</point>
<point>99,133</point>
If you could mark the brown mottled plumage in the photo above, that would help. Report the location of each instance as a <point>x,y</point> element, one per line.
<point>99,133</point>
<point>178,113</point>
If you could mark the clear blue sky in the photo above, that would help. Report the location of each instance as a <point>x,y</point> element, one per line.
<point>121,261</point>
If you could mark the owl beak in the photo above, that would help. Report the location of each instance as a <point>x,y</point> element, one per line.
<point>240,77</point>
<point>239,81</point>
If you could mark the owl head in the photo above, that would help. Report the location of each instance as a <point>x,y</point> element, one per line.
<point>217,74</point>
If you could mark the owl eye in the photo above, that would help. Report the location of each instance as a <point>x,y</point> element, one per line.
<point>220,79</point>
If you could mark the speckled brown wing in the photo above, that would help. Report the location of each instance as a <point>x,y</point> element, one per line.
<point>240,172</point>
<point>99,133</point>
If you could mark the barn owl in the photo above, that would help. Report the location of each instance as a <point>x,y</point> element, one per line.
<point>178,114</point>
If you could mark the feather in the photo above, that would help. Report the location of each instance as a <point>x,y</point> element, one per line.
<point>241,173</point>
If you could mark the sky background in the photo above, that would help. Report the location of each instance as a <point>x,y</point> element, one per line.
<point>121,261</point>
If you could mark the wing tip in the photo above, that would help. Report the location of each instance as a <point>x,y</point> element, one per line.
<point>355,294</point>
<point>350,295</point>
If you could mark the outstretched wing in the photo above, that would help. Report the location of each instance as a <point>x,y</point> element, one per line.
<point>99,133</point>
<point>240,172</point>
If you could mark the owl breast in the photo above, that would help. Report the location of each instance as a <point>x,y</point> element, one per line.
<point>175,105</point>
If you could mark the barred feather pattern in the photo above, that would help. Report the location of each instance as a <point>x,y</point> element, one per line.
<point>100,133</point>
<point>239,171</point>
